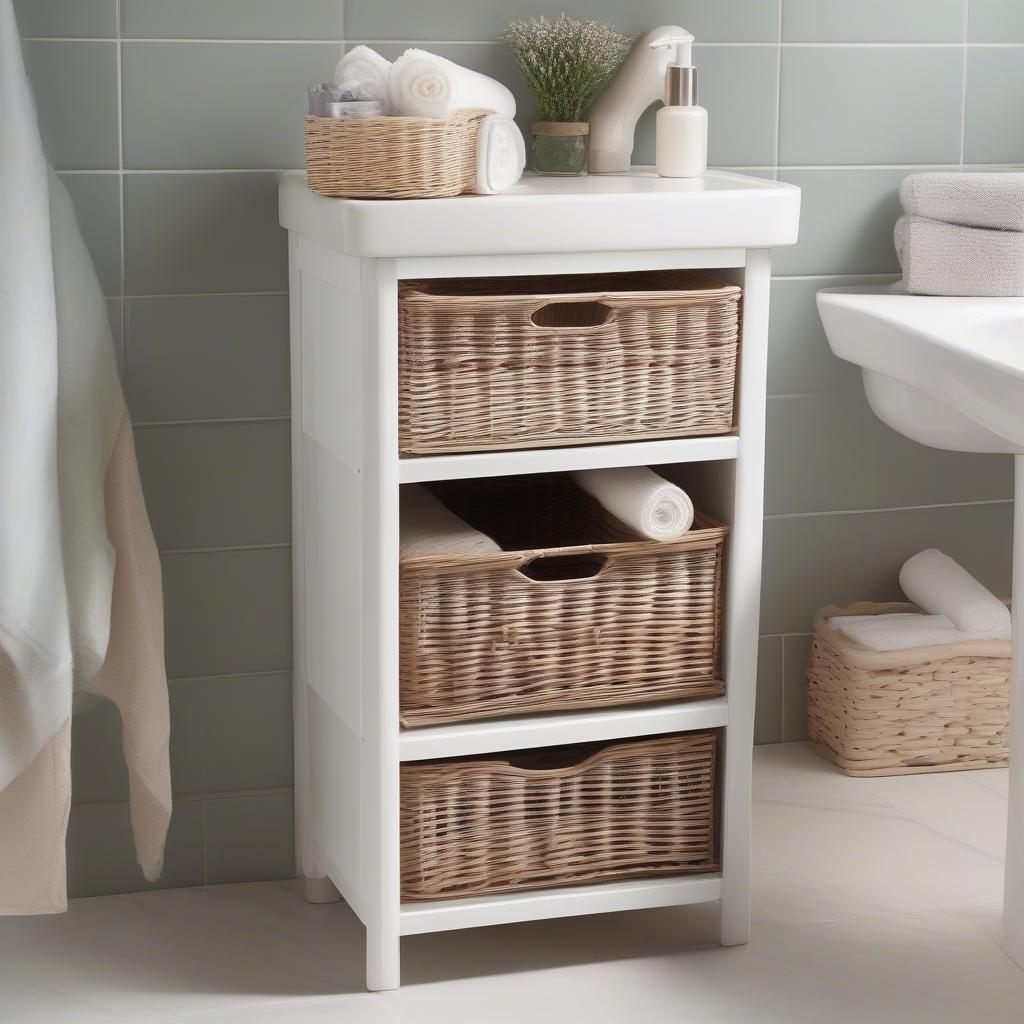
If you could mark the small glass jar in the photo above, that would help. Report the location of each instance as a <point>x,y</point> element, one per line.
<point>560,147</point>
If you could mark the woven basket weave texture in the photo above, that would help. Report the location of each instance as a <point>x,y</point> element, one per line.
<point>489,364</point>
<point>575,611</point>
<point>490,825</point>
<point>927,709</point>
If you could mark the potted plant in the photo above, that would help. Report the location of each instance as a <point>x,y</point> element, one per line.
<point>566,63</point>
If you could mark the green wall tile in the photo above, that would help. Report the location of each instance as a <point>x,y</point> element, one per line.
<point>866,105</point>
<point>207,358</point>
<point>796,656</point>
<point>721,21</point>
<point>994,127</point>
<point>217,485</point>
<point>228,612</point>
<point>231,733</point>
<point>80,19</point>
<point>102,854</point>
<point>75,87</point>
<point>812,561</point>
<point>232,19</point>
<point>240,105</point>
<point>829,452</point>
<point>873,21</point>
<point>995,21</point>
<point>768,707</point>
<point>250,838</point>
<point>799,357</point>
<point>97,202</point>
<point>202,233</point>
<point>846,221</point>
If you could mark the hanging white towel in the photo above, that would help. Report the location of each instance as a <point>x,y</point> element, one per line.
<point>640,498</point>
<point>500,156</point>
<point>422,84</point>
<point>80,601</point>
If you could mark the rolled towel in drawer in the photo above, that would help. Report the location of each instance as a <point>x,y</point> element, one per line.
<point>641,499</point>
<point>934,582</point>
<point>422,84</point>
<point>426,527</point>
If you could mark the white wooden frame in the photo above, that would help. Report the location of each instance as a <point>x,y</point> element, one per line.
<point>346,476</point>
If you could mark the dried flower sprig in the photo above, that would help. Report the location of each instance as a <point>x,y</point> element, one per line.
<point>565,61</point>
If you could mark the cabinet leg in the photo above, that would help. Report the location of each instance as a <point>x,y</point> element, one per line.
<point>382,960</point>
<point>320,890</point>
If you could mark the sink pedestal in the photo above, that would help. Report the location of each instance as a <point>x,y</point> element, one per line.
<point>1013,898</point>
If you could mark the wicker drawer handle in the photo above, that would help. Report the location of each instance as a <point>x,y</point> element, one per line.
<point>582,315</point>
<point>564,568</point>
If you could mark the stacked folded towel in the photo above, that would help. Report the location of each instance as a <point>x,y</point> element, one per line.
<point>422,84</point>
<point>428,528</point>
<point>955,606</point>
<point>962,233</point>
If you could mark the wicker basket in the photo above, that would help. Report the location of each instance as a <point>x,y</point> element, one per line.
<point>575,611</point>
<point>392,157</point>
<point>927,709</point>
<point>564,816</point>
<point>537,362</point>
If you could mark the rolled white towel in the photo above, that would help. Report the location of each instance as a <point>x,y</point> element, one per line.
<point>422,84</point>
<point>426,527</point>
<point>934,582</point>
<point>640,498</point>
<point>369,68</point>
<point>500,155</point>
<point>898,631</point>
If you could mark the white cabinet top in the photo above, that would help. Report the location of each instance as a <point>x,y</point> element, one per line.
<point>594,213</point>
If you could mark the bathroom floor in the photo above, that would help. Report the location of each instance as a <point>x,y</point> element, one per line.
<point>874,900</point>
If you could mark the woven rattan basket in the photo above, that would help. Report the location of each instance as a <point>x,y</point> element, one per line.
<point>537,362</point>
<point>927,709</point>
<point>392,157</point>
<point>575,611</point>
<point>558,817</point>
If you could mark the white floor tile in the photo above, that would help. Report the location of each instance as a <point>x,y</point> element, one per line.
<point>875,900</point>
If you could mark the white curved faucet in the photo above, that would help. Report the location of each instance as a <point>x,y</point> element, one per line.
<point>639,82</point>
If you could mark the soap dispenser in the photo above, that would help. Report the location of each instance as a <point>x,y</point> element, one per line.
<point>681,129</point>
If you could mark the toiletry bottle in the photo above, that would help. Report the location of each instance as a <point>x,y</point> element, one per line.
<point>681,144</point>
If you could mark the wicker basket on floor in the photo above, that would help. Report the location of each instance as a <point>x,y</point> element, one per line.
<point>392,157</point>
<point>575,611</point>
<point>562,816</point>
<point>536,362</point>
<point>926,709</point>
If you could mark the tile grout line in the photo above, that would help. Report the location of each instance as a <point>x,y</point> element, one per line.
<point>778,91</point>
<point>227,549</point>
<point>120,195</point>
<point>963,83</point>
<point>782,689</point>
<point>897,508</point>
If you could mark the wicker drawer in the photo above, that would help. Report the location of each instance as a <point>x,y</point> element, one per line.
<point>927,709</point>
<point>537,362</point>
<point>562,816</point>
<point>576,611</point>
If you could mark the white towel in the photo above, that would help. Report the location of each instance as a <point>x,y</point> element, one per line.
<point>369,68</point>
<point>940,586</point>
<point>641,499</point>
<point>422,84</point>
<point>898,631</point>
<point>976,199</point>
<point>426,527</point>
<point>80,600</point>
<point>500,155</point>
<point>950,259</point>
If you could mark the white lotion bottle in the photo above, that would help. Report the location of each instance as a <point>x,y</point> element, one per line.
<point>681,128</point>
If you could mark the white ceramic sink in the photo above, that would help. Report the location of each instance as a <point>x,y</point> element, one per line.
<point>599,212</point>
<point>949,372</point>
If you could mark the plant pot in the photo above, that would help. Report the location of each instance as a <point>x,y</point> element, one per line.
<point>560,147</point>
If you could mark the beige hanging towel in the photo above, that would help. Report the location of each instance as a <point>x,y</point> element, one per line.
<point>80,596</point>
